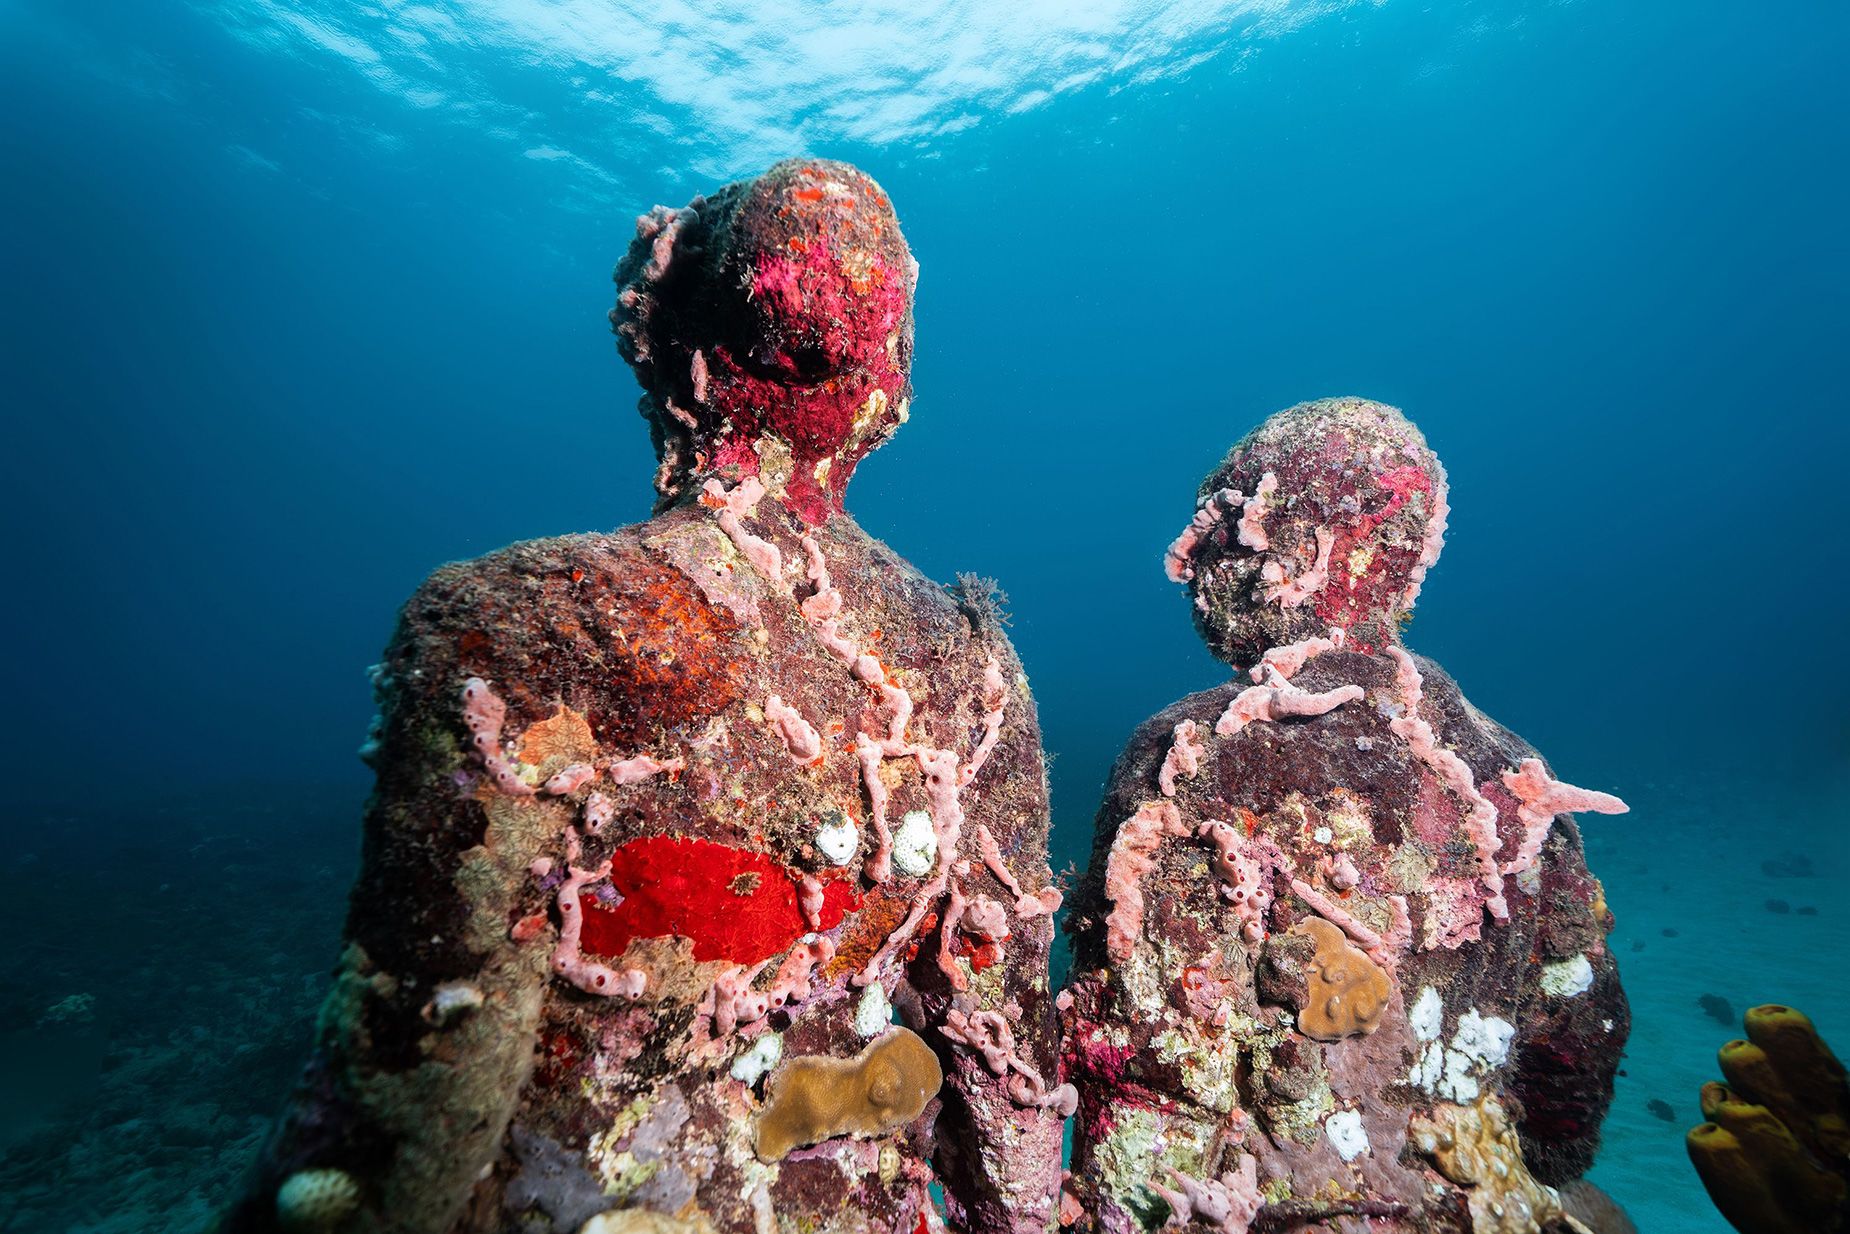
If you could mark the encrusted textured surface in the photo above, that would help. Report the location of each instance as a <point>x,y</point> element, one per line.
<point>1341,511</point>
<point>771,325</point>
<point>1475,1147</point>
<point>630,844</point>
<point>1338,789</point>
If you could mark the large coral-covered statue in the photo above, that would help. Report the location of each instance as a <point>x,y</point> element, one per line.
<point>1339,963</point>
<point>673,823</point>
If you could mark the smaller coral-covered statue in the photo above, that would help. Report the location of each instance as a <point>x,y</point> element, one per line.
<point>1339,963</point>
<point>705,885</point>
<point>1775,1151</point>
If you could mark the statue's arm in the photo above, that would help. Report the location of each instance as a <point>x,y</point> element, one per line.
<point>1571,1015</point>
<point>1004,1110</point>
<point>426,1037</point>
<point>1574,1018</point>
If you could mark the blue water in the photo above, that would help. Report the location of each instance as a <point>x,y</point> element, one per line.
<point>304,299</point>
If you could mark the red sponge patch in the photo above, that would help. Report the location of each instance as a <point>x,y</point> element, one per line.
<point>733,904</point>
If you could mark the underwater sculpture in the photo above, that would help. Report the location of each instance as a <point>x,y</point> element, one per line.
<point>1338,960</point>
<point>671,821</point>
<point>1775,1151</point>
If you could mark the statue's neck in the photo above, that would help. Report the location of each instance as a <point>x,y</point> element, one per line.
<point>811,492</point>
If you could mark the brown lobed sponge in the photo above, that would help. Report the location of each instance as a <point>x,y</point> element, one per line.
<point>1346,992</point>
<point>817,1098</point>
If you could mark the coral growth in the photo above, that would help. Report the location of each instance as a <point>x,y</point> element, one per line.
<point>813,1099</point>
<point>483,714</point>
<point>1541,797</point>
<point>1183,759</point>
<point>988,1034</point>
<point>1278,699</point>
<point>1480,816</point>
<point>1476,1147</point>
<point>1227,1204</point>
<point>1346,991</point>
<point>568,959</point>
<point>1243,871</point>
<point>1132,856</point>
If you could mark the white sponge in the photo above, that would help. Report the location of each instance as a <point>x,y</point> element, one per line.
<point>316,1201</point>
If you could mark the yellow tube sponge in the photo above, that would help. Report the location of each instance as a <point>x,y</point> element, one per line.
<point>816,1097</point>
<point>1775,1153</point>
<point>1810,1072</point>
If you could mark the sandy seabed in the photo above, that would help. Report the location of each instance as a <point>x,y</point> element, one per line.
<point>1727,889</point>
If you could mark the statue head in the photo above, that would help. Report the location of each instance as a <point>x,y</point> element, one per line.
<point>1327,515</point>
<point>770,325</point>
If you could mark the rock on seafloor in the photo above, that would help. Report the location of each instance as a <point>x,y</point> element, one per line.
<point>630,867</point>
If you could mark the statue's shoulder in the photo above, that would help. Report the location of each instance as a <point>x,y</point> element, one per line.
<point>919,619</point>
<point>555,578</point>
<point>867,568</point>
<point>579,619</point>
<point>520,563</point>
<point>1486,745</point>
